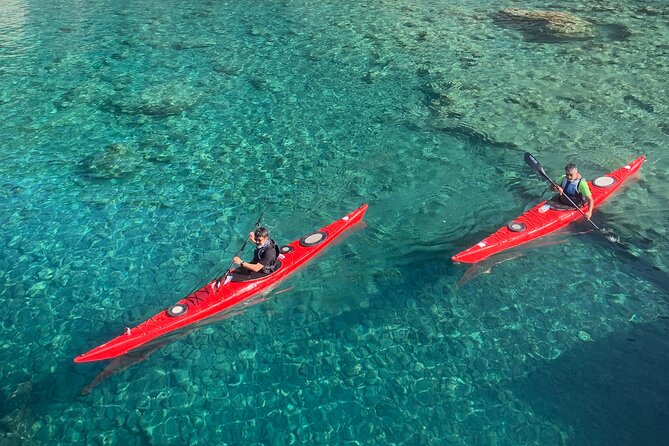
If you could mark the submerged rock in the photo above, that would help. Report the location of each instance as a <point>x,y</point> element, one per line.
<point>20,398</point>
<point>547,25</point>
<point>616,32</point>
<point>157,101</point>
<point>114,161</point>
<point>193,44</point>
<point>9,189</point>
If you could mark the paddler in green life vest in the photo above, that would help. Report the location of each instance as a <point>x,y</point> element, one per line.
<point>574,186</point>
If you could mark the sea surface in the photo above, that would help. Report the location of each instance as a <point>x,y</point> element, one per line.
<point>140,141</point>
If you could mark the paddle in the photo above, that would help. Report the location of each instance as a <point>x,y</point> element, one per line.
<point>218,281</point>
<point>534,164</point>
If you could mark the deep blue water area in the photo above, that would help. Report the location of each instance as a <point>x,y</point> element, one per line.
<point>140,140</point>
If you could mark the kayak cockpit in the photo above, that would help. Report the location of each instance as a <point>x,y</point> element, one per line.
<point>236,278</point>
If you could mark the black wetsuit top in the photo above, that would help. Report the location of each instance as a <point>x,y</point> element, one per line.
<point>267,256</point>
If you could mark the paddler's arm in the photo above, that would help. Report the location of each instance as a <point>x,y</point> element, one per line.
<point>557,188</point>
<point>591,205</point>
<point>584,189</point>
<point>255,267</point>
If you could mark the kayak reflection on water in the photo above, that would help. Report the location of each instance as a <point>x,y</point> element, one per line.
<point>486,266</point>
<point>120,363</point>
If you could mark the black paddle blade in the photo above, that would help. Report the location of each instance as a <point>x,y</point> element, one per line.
<point>531,161</point>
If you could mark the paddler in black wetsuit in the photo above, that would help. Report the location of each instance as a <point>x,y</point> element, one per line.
<point>265,258</point>
<point>574,186</point>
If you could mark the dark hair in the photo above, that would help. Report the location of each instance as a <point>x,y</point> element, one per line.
<point>260,232</point>
<point>569,167</point>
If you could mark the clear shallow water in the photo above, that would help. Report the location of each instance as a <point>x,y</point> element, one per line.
<point>140,141</point>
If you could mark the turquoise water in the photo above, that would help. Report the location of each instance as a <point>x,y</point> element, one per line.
<point>139,141</point>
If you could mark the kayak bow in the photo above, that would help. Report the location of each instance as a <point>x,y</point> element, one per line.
<point>544,219</point>
<point>211,299</point>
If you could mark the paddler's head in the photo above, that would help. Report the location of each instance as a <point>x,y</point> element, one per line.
<point>571,172</point>
<point>260,235</point>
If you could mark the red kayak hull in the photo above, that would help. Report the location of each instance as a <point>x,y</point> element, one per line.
<point>542,220</point>
<point>210,299</point>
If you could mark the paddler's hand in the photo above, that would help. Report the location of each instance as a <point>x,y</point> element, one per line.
<point>252,237</point>
<point>588,214</point>
<point>237,260</point>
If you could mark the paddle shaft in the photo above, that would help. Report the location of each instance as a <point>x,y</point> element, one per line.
<point>534,164</point>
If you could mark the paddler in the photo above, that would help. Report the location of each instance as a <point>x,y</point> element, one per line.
<point>573,186</point>
<point>264,260</point>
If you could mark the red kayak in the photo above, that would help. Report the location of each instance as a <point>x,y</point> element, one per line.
<point>218,296</point>
<point>544,218</point>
